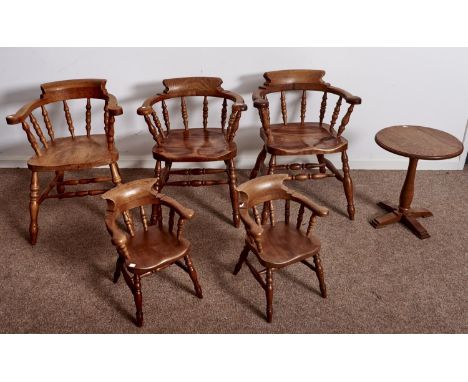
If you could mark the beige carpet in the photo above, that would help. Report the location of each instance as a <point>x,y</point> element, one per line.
<point>379,281</point>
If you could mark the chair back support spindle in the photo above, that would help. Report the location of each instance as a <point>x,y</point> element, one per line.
<point>88,117</point>
<point>38,130</point>
<point>224,115</point>
<point>48,124</point>
<point>303,106</point>
<point>323,108</point>
<point>336,113</point>
<point>205,112</point>
<point>284,110</point>
<point>183,108</point>
<point>68,117</point>
<point>165,115</point>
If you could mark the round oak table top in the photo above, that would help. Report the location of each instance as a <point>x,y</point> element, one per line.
<point>419,142</point>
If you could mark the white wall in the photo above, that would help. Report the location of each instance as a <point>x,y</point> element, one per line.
<point>424,86</point>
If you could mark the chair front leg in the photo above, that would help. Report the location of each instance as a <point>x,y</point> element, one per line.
<point>348,185</point>
<point>116,178</point>
<point>193,275</point>
<point>231,170</point>
<point>269,294</point>
<point>137,295</point>
<point>34,207</point>
<point>319,272</point>
<point>118,268</point>
<point>155,209</point>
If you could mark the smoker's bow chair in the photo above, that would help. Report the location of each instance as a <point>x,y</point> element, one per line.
<point>148,249</point>
<point>189,144</point>
<point>277,244</point>
<point>305,138</point>
<point>76,152</point>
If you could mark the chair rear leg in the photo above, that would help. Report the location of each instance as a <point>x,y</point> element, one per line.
<point>34,207</point>
<point>269,294</point>
<point>348,185</point>
<point>118,268</point>
<point>258,163</point>
<point>157,187</point>
<point>116,178</point>
<point>231,170</point>
<point>193,275</point>
<point>242,258</point>
<point>137,295</point>
<point>60,187</point>
<point>320,276</point>
<point>321,160</point>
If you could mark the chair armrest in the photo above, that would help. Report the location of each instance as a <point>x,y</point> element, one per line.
<point>239,103</point>
<point>113,106</point>
<point>184,212</point>
<point>315,208</point>
<point>351,99</point>
<point>23,112</point>
<point>258,99</point>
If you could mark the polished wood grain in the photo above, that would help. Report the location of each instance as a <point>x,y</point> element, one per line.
<point>414,142</point>
<point>147,249</point>
<point>306,138</point>
<point>193,142</point>
<point>61,154</point>
<point>275,242</point>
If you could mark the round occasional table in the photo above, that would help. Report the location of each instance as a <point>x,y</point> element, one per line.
<point>414,142</point>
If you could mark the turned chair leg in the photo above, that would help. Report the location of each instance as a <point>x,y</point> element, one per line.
<point>258,163</point>
<point>34,207</point>
<point>231,170</point>
<point>116,178</point>
<point>348,185</point>
<point>320,276</point>
<point>138,299</point>
<point>118,268</point>
<point>60,187</point>
<point>321,160</point>
<point>269,293</point>
<point>193,276</point>
<point>242,258</point>
<point>157,188</point>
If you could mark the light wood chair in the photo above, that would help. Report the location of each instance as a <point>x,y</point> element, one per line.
<point>305,138</point>
<point>76,152</point>
<point>149,249</point>
<point>277,244</point>
<point>194,144</point>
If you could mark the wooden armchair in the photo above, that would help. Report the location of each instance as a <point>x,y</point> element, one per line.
<point>72,153</point>
<point>188,144</point>
<point>279,243</point>
<point>152,248</point>
<point>305,138</point>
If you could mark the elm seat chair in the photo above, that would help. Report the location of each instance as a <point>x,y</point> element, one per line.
<point>279,243</point>
<point>305,138</point>
<point>190,143</point>
<point>151,248</point>
<point>76,152</point>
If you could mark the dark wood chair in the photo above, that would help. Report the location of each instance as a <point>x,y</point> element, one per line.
<point>72,153</point>
<point>149,249</point>
<point>199,144</point>
<point>305,138</point>
<point>277,244</point>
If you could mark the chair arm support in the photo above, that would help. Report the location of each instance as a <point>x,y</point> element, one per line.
<point>315,208</point>
<point>351,99</point>
<point>119,239</point>
<point>252,228</point>
<point>259,100</point>
<point>184,212</point>
<point>113,106</point>
<point>239,103</point>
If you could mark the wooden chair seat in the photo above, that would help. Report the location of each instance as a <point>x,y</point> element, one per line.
<point>306,139</point>
<point>195,145</point>
<point>284,244</point>
<point>155,248</point>
<point>74,153</point>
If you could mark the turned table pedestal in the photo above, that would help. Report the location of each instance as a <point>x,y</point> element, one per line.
<point>414,142</point>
